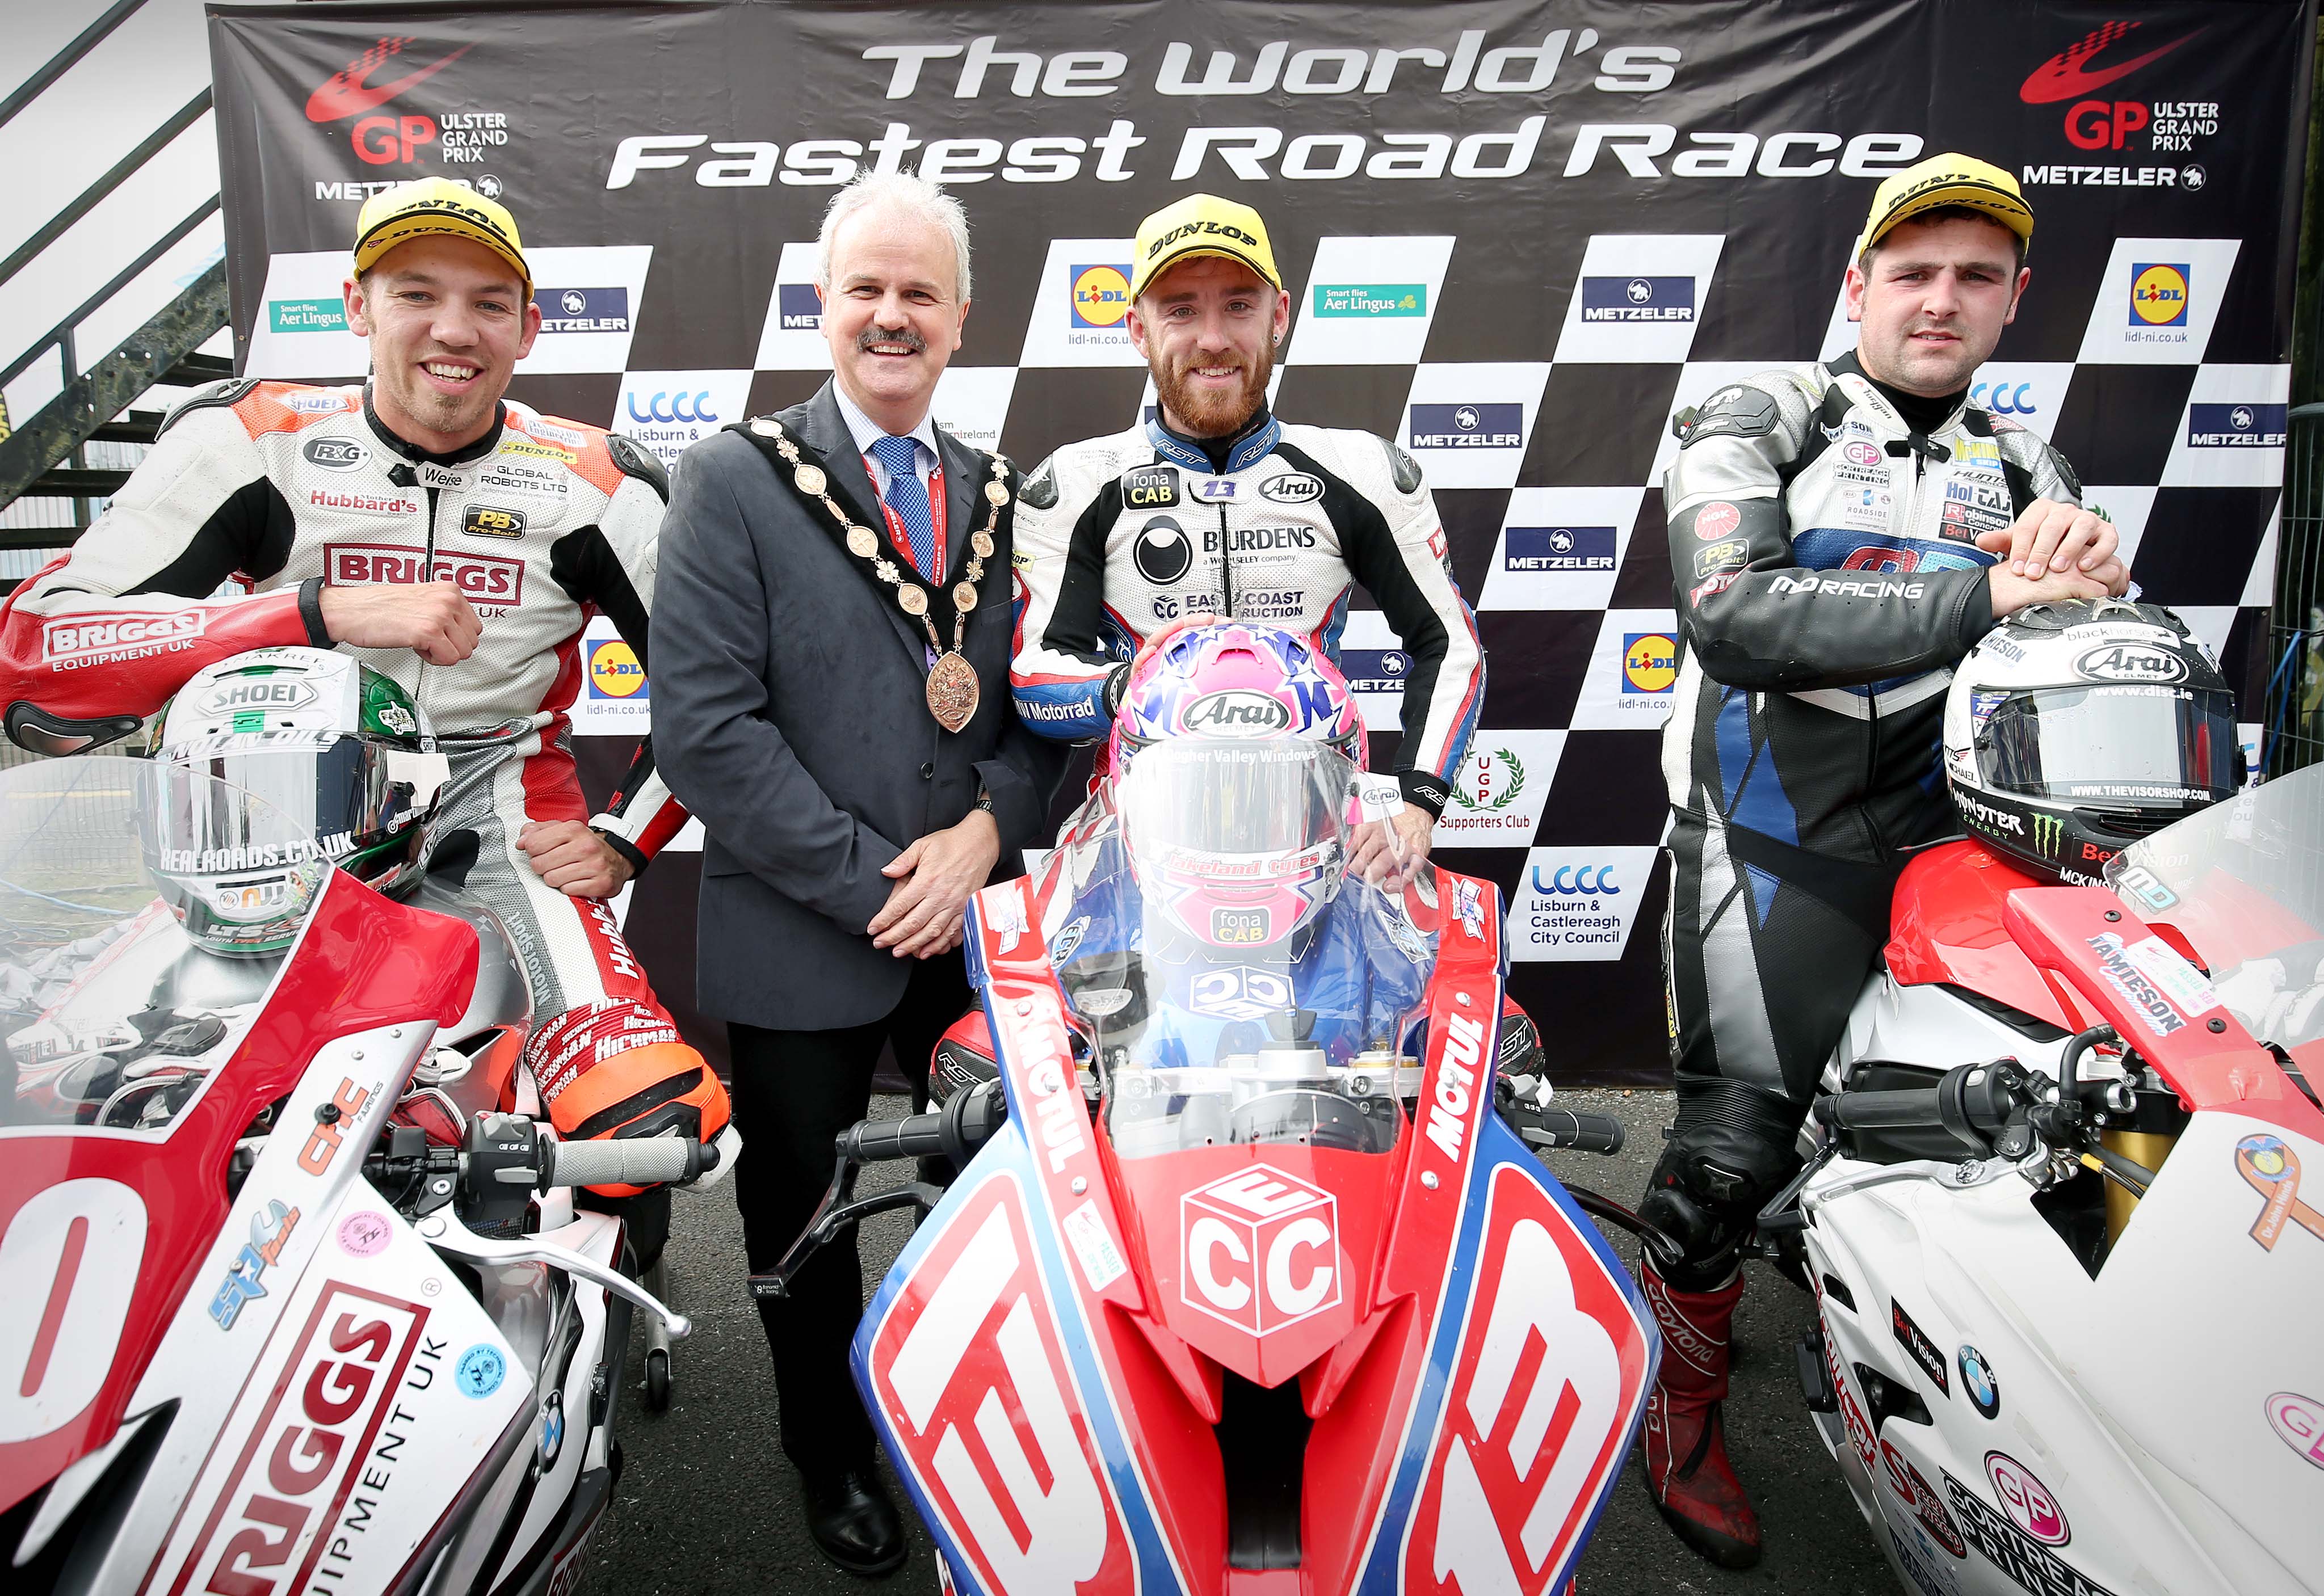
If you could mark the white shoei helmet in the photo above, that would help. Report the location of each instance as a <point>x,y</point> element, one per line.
<point>343,768</point>
<point>2073,730</point>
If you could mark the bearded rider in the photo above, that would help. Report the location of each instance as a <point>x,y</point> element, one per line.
<point>1840,536</point>
<point>1215,506</point>
<point>452,541</point>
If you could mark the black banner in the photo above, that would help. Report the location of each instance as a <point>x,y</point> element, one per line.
<point>1519,238</point>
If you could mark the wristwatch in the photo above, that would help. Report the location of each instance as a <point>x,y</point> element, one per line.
<point>984,802</point>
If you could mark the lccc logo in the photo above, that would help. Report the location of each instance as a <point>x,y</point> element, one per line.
<point>1577,881</point>
<point>676,411</point>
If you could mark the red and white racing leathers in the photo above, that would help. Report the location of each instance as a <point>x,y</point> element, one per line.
<point>541,523</point>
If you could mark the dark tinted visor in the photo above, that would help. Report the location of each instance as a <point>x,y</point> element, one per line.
<point>2112,744</point>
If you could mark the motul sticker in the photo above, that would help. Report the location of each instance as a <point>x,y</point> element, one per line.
<point>969,1369</point>
<point>291,1487</point>
<point>482,578</point>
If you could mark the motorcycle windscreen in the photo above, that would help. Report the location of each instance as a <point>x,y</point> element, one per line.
<point>1252,1001</point>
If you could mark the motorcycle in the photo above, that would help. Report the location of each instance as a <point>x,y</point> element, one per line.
<point>1250,1280</point>
<point>301,1298</point>
<point>2066,1280</point>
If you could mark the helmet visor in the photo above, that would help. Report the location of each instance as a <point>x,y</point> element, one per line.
<point>349,793</point>
<point>1197,805</point>
<point>2112,745</point>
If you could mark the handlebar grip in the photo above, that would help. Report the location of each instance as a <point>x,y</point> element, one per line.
<point>1879,1111</point>
<point>643,1161</point>
<point>1583,1133</point>
<point>919,1135</point>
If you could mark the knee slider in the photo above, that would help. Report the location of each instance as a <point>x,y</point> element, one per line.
<point>1730,1153</point>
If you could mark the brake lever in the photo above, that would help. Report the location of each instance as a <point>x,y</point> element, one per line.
<point>443,1231</point>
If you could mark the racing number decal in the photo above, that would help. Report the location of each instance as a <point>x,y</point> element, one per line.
<point>1546,1391</point>
<point>967,1364</point>
<point>71,1257</point>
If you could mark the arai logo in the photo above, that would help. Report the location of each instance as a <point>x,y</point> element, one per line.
<point>1292,488</point>
<point>2130,661</point>
<point>1238,712</point>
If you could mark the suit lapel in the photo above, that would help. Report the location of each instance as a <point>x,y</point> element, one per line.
<point>964,506</point>
<point>822,428</point>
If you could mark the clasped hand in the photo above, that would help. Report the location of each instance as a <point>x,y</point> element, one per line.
<point>924,914</point>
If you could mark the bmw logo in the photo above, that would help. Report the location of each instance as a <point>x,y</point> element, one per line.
<point>1977,1380</point>
<point>1466,419</point>
<point>1162,552</point>
<point>1641,291</point>
<point>1561,541</point>
<point>575,301</point>
<point>2241,417</point>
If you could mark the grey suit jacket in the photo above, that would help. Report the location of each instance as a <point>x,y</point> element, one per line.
<point>789,718</point>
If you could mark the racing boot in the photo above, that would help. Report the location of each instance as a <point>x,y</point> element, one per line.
<point>1687,1472</point>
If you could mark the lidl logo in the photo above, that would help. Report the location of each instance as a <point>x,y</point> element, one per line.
<point>1100,295</point>
<point>614,670</point>
<point>307,316</point>
<point>1649,661</point>
<point>1371,300</point>
<point>2158,296</point>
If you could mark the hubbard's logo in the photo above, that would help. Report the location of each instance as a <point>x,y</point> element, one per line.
<point>2049,833</point>
<point>1371,300</point>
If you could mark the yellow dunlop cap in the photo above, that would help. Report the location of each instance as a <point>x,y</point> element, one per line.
<point>1946,179</point>
<point>437,205</point>
<point>1201,225</point>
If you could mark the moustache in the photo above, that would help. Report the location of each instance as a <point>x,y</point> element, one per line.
<point>904,335</point>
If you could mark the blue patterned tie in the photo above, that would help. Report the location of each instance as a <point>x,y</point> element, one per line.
<point>907,496</point>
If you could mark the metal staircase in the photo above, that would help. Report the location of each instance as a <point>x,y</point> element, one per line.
<point>81,443</point>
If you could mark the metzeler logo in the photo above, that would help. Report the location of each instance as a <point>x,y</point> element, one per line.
<point>1558,548</point>
<point>482,578</point>
<point>1637,298</point>
<point>582,310</point>
<point>2236,426</point>
<point>84,635</point>
<point>798,306</point>
<point>1467,427</point>
<point>1371,299</point>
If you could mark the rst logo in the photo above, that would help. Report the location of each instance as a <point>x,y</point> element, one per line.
<point>482,578</point>
<point>286,1492</point>
<point>1544,1398</point>
<point>970,1375</point>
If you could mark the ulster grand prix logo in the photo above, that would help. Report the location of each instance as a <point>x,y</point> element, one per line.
<point>1260,1250</point>
<point>971,1379</point>
<point>1544,1395</point>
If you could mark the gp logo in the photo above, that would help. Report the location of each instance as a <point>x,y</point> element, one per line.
<point>1545,1393</point>
<point>1259,1248</point>
<point>972,1379</point>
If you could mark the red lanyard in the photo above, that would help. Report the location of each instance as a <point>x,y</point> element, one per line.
<point>900,536</point>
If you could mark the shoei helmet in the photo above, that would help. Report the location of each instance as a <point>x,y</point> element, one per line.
<point>344,766</point>
<point>1232,752</point>
<point>2073,730</point>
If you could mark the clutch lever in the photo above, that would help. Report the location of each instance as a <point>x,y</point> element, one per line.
<point>839,1209</point>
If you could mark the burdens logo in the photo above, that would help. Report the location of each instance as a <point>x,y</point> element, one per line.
<point>1260,1250</point>
<point>84,635</point>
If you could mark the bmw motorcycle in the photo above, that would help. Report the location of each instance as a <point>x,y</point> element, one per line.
<point>1251,1281</point>
<point>2067,1276</point>
<point>299,1296</point>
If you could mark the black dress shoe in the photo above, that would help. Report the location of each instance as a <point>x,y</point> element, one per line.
<point>852,1521</point>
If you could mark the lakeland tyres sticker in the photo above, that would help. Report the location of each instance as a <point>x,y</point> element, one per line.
<point>1578,905</point>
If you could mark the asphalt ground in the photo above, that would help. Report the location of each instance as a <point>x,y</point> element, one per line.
<point>708,1504</point>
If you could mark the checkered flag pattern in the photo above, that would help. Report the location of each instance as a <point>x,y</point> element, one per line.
<point>1526,333</point>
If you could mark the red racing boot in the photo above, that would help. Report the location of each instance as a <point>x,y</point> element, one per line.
<point>1694,1485</point>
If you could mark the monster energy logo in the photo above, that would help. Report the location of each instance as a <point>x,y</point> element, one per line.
<point>2049,833</point>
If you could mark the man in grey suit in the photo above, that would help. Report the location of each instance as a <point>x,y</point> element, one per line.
<point>831,693</point>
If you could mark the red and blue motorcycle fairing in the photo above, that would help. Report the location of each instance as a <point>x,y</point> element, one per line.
<point>1049,1401</point>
